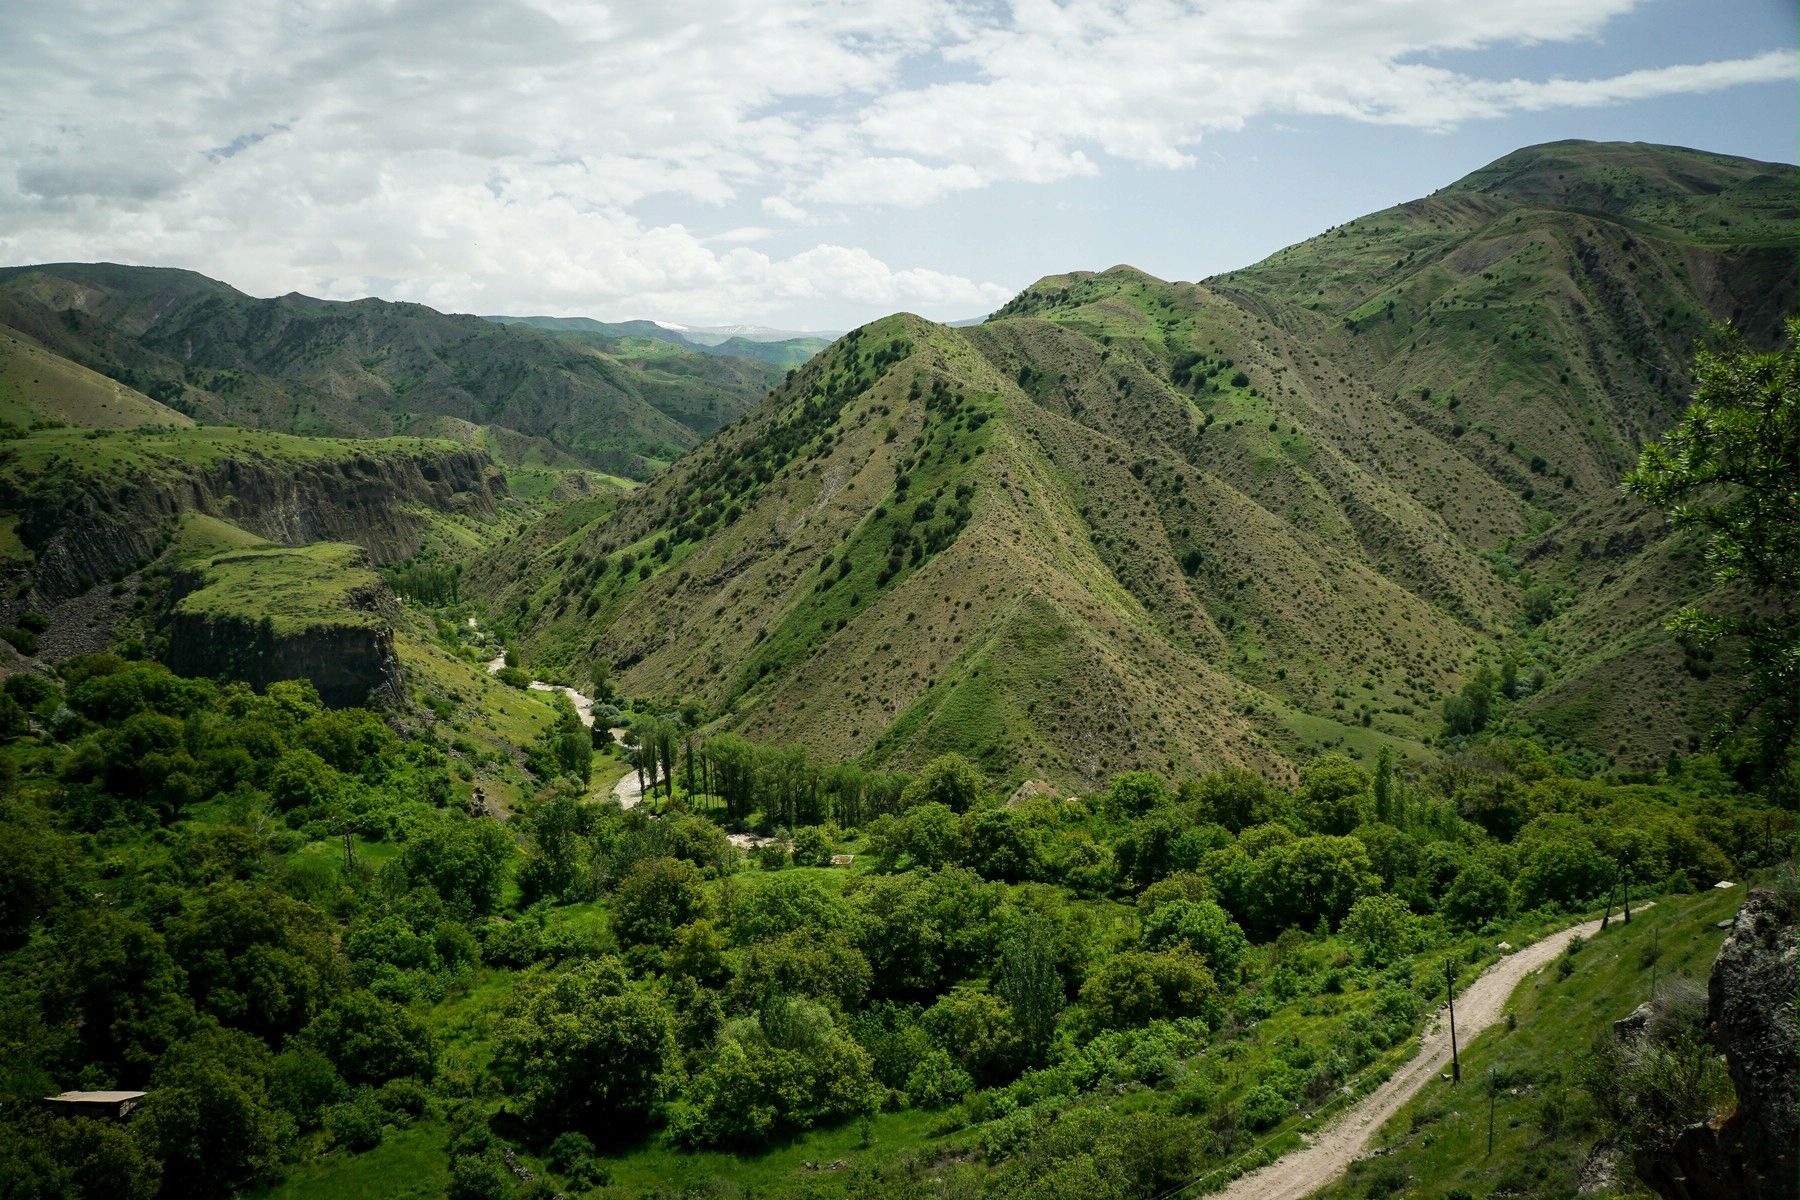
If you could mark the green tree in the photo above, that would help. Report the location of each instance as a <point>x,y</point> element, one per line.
<point>1203,927</point>
<point>372,1041</point>
<point>656,897</point>
<point>979,1030</point>
<point>1135,793</point>
<point>208,1120</point>
<point>576,1050</point>
<point>950,780</point>
<point>256,959</point>
<point>462,859</point>
<point>1027,978</point>
<point>1382,927</point>
<point>112,978</point>
<point>1135,987</point>
<point>1002,844</point>
<point>1476,896</point>
<point>1334,795</point>
<point>1728,469</point>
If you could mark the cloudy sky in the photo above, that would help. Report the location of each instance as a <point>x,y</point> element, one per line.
<point>808,164</point>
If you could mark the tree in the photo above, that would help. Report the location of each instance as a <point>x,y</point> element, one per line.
<point>926,835</point>
<point>1135,987</point>
<point>789,1070</point>
<point>1382,927</point>
<point>1334,794</point>
<point>576,1051</point>
<point>463,860</point>
<point>114,981</point>
<point>1386,806</point>
<point>208,1119</point>
<point>1235,798</point>
<point>655,898</point>
<point>950,780</point>
<point>256,959</point>
<point>979,1030</point>
<point>372,1041</point>
<point>1002,844</point>
<point>1027,978</point>
<point>788,904</point>
<point>1135,793</point>
<point>1203,927</point>
<point>1728,469</point>
<point>1476,896</point>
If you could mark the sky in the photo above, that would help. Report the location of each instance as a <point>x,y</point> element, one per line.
<point>809,165</point>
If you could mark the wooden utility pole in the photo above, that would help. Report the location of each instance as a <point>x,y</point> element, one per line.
<point>1491,1093</point>
<point>1450,993</point>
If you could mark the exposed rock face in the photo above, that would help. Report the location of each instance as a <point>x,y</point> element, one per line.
<point>1749,1155</point>
<point>350,663</point>
<point>373,501</point>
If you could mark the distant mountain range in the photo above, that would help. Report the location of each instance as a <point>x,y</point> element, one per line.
<point>626,402</point>
<point>782,347</point>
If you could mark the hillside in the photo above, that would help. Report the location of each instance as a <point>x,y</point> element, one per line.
<point>37,385</point>
<point>779,347</point>
<point>369,368</point>
<point>1128,522</point>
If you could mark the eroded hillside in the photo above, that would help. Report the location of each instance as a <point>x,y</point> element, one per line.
<point>1136,523</point>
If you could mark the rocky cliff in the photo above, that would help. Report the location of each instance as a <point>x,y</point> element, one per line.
<point>267,614</point>
<point>85,527</point>
<point>1750,1154</point>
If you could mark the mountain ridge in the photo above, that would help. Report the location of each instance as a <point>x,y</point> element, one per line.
<point>1256,517</point>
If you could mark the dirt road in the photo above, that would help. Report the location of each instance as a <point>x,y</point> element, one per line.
<point>584,705</point>
<point>1335,1147</point>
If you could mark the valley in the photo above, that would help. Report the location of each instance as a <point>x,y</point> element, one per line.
<point>1065,755</point>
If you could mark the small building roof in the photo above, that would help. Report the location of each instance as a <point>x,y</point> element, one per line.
<point>96,1097</point>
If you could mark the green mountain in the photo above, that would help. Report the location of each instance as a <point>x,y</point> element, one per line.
<point>1127,522</point>
<point>369,368</point>
<point>770,346</point>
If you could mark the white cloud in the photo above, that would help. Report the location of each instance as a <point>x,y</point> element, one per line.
<point>783,209</point>
<point>495,154</point>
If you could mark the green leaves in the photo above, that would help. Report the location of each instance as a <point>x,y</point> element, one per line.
<point>1729,470</point>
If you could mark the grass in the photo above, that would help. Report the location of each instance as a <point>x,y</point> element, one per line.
<point>410,1164</point>
<point>291,588</point>
<point>37,384</point>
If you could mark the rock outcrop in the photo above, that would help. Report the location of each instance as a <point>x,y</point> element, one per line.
<point>1750,1154</point>
<point>268,614</point>
<point>348,664</point>
<point>88,534</point>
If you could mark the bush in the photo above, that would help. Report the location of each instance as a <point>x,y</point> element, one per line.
<point>355,1125</point>
<point>1264,1108</point>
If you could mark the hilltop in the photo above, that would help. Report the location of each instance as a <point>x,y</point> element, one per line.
<point>370,368</point>
<point>1128,522</point>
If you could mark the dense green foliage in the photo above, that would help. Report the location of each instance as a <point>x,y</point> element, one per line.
<point>1731,468</point>
<point>277,919</point>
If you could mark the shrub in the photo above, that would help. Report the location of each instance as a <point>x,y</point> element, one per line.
<point>355,1125</point>
<point>1264,1107</point>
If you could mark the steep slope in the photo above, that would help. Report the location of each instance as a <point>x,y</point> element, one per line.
<point>368,368</point>
<point>1129,522</point>
<point>39,386</point>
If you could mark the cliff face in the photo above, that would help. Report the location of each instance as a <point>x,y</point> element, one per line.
<point>348,664</point>
<point>1750,1155</point>
<point>314,612</point>
<point>85,532</point>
